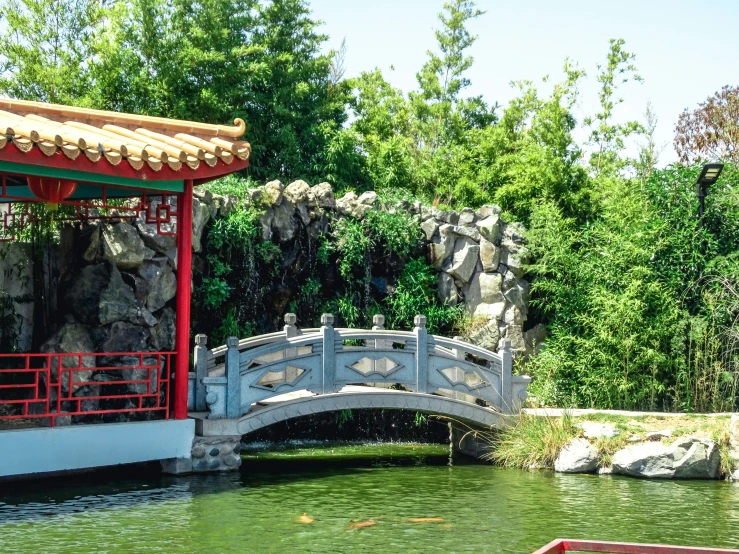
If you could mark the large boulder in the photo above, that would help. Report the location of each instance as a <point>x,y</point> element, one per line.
<point>99,296</point>
<point>578,456</point>
<point>489,227</point>
<point>686,458</point>
<point>272,193</point>
<point>486,336</point>
<point>464,260</point>
<point>161,244</point>
<point>448,293</point>
<point>484,297</point>
<point>489,256</point>
<point>123,246</point>
<point>125,337</point>
<point>297,192</point>
<point>323,196</point>
<point>71,338</point>
<point>442,246</point>
<point>429,228</point>
<point>161,283</point>
<point>163,333</point>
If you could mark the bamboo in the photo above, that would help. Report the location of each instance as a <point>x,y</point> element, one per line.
<point>86,114</point>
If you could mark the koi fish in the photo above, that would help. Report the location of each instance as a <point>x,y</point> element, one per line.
<point>425,520</point>
<point>360,524</point>
<point>305,518</point>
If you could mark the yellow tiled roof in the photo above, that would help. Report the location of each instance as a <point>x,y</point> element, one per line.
<point>114,136</point>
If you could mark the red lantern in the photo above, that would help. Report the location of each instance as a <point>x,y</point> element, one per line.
<point>51,189</point>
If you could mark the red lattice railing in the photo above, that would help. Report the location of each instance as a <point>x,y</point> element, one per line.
<point>158,208</point>
<point>38,386</point>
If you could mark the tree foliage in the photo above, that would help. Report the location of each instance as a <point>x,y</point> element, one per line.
<point>711,131</point>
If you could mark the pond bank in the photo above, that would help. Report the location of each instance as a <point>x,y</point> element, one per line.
<point>647,445</point>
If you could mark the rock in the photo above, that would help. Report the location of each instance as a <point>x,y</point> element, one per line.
<point>429,228</point>
<point>448,293</point>
<point>347,204</point>
<point>489,256</point>
<point>687,458</point>
<point>535,338</point>
<point>442,246</point>
<point>517,294</point>
<point>451,218</point>
<point>125,337</point>
<point>324,196</point>
<point>696,458</point>
<point>515,335</point>
<point>272,193</point>
<point>163,333</point>
<point>469,232</point>
<point>285,223</point>
<point>71,338</point>
<point>513,316</point>
<point>162,283</point>
<point>118,302</point>
<point>203,194</point>
<point>514,256</point>
<point>91,234</point>
<point>488,210</point>
<point>368,198</point>
<point>592,430</point>
<point>579,456</point>
<point>82,297</point>
<point>152,239</point>
<point>734,436</point>
<point>467,217</point>
<point>122,245</point>
<point>734,476</point>
<point>659,435</point>
<point>200,217</point>
<point>490,228</point>
<point>483,296</point>
<point>487,336</point>
<point>464,259</point>
<point>297,192</point>
<point>514,232</point>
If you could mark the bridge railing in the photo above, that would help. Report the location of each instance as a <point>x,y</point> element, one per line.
<point>229,379</point>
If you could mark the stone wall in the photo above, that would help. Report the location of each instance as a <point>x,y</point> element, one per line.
<point>479,257</point>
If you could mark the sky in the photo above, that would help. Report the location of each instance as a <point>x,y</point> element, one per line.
<point>685,49</point>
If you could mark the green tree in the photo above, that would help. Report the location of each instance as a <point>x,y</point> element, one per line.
<point>608,138</point>
<point>45,49</point>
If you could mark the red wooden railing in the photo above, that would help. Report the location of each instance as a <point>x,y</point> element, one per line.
<point>36,386</point>
<point>560,546</point>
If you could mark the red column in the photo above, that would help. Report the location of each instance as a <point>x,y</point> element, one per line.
<point>184,277</point>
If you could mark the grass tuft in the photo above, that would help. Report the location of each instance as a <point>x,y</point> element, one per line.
<point>534,442</point>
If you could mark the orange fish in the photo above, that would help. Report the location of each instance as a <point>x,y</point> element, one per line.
<point>425,520</point>
<point>360,524</point>
<point>305,518</point>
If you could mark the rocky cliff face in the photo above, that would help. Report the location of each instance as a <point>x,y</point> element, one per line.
<point>478,256</point>
<point>117,279</point>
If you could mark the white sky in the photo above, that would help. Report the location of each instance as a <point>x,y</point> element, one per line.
<point>686,49</point>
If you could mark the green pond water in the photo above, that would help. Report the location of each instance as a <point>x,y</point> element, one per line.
<point>484,509</point>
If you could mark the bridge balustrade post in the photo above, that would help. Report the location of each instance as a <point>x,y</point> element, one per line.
<point>506,376</point>
<point>422,353</point>
<point>233,378</point>
<point>328,357</point>
<point>459,373</point>
<point>378,324</point>
<point>200,361</point>
<point>291,331</point>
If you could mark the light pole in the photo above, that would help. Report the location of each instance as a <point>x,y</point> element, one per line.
<point>709,175</point>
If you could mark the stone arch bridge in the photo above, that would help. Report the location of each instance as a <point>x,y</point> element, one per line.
<point>252,383</point>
